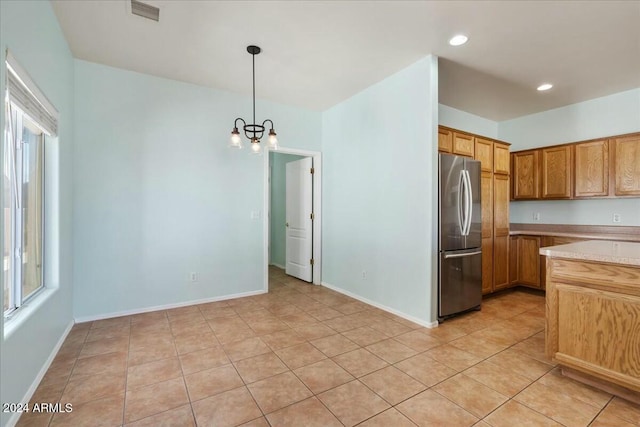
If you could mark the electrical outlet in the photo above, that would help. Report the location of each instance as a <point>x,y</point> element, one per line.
<point>364,274</point>
<point>616,218</point>
<point>193,276</point>
<point>536,216</point>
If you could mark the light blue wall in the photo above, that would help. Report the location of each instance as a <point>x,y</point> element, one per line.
<point>277,248</point>
<point>158,193</point>
<point>380,173</point>
<point>31,31</point>
<point>607,116</point>
<point>461,120</point>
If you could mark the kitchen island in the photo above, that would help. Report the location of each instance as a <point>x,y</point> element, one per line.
<point>593,313</point>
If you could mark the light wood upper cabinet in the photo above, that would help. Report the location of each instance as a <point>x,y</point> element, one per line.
<point>556,172</point>
<point>591,169</point>
<point>484,153</point>
<point>526,183</point>
<point>486,190</point>
<point>626,165</point>
<point>501,160</point>
<point>463,144</point>
<point>445,140</point>
<point>598,168</point>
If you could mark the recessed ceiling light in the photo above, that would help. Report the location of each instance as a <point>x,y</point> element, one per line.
<point>458,40</point>
<point>545,86</point>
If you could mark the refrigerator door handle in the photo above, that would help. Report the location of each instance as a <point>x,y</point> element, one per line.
<point>469,203</point>
<point>447,256</point>
<point>462,221</point>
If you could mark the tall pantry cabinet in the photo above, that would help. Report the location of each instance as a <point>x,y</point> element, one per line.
<point>494,183</point>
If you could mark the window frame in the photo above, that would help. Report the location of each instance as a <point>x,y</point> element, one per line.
<point>17,252</point>
<point>33,112</point>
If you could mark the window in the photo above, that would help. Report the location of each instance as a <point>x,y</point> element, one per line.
<point>27,121</point>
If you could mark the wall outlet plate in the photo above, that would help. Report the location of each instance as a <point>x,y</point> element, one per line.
<point>536,216</point>
<point>617,218</point>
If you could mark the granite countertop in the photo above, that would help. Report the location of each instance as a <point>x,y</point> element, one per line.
<point>609,251</point>
<point>590,232</point>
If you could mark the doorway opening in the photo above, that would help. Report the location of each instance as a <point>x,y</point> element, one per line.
<point>293,244</point>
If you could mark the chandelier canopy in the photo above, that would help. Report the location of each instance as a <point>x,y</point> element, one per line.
<point>253,131</point>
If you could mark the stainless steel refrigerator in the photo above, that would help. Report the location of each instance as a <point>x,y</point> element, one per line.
<point>460,235</point>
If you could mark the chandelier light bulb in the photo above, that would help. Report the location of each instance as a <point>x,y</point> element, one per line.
<point>235,141</point>
<point>256,148</point>
<point>273,140</point>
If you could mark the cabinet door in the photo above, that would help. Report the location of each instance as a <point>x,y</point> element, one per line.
<point>486,190</point>
<point>487,265</point>
<point>513,260</point>
<point>501,160</point>
<point>500,205</point>
<point>501,262</point>
<point>626,165</point>
<point>501,232</point>
<point>526,184</point>
<point>529,260</point>
<point>556,172</point>
<point>463,144</point>
<point>445,140</point>
<point>591,169</point>
<point>484,153</point>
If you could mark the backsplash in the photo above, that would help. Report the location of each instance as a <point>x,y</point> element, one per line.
<point>581,212</point>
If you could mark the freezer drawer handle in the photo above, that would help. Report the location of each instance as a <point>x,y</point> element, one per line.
<point>447,256</point>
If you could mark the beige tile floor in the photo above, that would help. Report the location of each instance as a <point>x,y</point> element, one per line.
<point>303,355</point>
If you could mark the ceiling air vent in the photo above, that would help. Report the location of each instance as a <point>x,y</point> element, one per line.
<point>145,10</point>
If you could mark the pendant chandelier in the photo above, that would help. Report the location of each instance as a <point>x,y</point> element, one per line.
<point>253,131</point>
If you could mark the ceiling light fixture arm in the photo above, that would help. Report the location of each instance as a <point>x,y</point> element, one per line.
<point>250,130</point>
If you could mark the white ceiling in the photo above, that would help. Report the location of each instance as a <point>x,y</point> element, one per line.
<point>316,54</point>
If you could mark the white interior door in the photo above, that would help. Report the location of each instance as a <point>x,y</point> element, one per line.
<point>299,225</point>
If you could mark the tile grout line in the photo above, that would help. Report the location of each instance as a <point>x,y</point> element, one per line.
<point>184,379</point>
<point>126,377</point>
<point>75,361</point>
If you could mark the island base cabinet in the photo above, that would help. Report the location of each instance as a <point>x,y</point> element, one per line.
<point>593,322</point>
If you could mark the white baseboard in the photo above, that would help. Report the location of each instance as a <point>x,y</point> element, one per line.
<point>382,307</point>
<point>83,319</point>
<point>36,382</point>
<point>282,267</point>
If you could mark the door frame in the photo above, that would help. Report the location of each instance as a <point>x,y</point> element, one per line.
<point>317,211</point>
